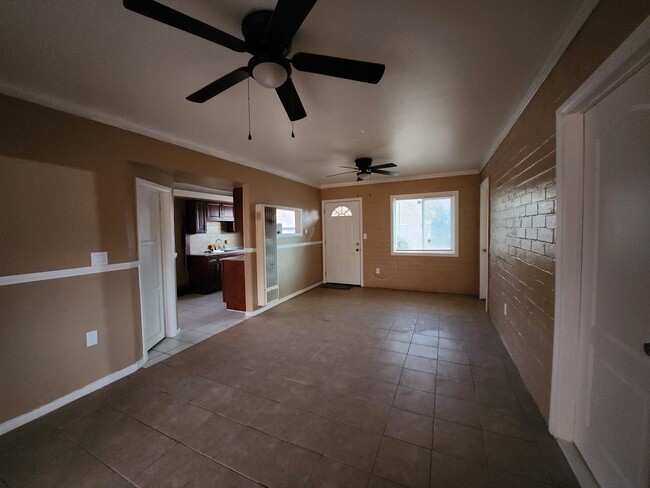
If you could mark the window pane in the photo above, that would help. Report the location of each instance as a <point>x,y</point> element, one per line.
<point>423,224</point>
<point>288,220</point>
<point>341,211</point>
<point>408,225</point>
<point>437,224</point>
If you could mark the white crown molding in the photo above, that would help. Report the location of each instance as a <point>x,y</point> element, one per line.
<point>370,181</point>
<point>563,43</point>
<point>121,123</point>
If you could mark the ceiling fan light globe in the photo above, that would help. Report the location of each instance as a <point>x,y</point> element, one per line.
<point>270,74</point>
<point>363,176</point>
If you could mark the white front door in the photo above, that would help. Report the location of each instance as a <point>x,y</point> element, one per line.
<point>150,255</point>
<point>613,405</point>
<point>343,242</point>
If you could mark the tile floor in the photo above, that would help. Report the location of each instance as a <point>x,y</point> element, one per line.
<point>199,317</point>
<point>359,388</point>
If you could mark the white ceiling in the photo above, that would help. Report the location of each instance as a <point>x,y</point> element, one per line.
<point>457,74</point>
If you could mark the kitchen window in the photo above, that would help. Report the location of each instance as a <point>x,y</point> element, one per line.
<point>289,221</point>
<point>424,224</point>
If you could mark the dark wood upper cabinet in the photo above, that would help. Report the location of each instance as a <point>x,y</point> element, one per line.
<point>238,209</point>
<point>195,217</point>
<point>220,212</point>
<point>213,211</point>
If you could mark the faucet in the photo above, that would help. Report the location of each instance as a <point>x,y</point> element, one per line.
<point>219,244</point>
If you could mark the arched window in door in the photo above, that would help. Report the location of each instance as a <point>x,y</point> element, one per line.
<point>341,211</point>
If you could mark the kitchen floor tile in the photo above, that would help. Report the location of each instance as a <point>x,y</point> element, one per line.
<point>459,440</point>
<point>332,474</point>
<point>414,401</point>
<point>403,463</point>
<point>410,427</point>
<point>354,446</point>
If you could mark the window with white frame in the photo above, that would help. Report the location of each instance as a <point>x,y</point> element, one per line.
<point>425,224</point>
<point>289,221</point>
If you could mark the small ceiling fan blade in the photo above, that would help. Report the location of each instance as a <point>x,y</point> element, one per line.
<point>291,101</point>
<point>220,85</point>
<point>382,166</point>
<point>350,167</point>
<point>344,173</point>
<point>339,67</point>
<point>287,18</point>
<point>383,172</point>
<point>169,16</point>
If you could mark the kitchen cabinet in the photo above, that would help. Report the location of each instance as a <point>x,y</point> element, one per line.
<point>238,209</point>
<point>234,289</point>
<point>195,217</point>
<point>220,212</point>
<point>204,273</point>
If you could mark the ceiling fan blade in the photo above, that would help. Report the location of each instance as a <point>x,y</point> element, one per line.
<point>383,172</point>
<point>338,67</point>
<point>169,16</point>
<point>382,166</point>
<point>350,167</point>
<point>287,18</point>
<point>291,101</point>
<point>217,86</point>
<point>344,173</point>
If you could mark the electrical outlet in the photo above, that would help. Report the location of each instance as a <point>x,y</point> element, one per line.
<point>98,258</point>
<point>91,338</point>
<point>505,309</point>
<point>377,271</point>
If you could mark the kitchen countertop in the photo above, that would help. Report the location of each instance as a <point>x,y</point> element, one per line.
<point>218,253</point>
<point>234,258</point>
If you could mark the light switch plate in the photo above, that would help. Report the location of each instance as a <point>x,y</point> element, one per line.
<point>99,258</point>
<point>365,236</point>
<point>91,338</point>
<point>377,270</point>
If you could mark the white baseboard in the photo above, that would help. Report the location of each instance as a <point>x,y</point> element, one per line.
<point>70,397</point>
<point>282,300</point>
<point>578,465</point>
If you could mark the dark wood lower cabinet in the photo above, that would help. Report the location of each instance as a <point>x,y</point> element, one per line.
<point>234,288</point>
<point>204,273</point>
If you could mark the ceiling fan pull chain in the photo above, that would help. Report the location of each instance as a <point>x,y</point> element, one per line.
<point>250,137</point>
<point>293,136</point>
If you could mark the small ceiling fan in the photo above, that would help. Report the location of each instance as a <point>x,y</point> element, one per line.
<point>364,169</point>
<point>267,36</point>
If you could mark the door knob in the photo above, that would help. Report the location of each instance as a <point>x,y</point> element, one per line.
<point>646,348</point>
<point>484,250</point>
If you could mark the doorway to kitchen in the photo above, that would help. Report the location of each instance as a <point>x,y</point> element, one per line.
<point>156,268</point>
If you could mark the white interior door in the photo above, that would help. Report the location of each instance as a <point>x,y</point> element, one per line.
<point>343,242</point>
<point>483,239</point>
<point>151,266</point>
<point>613,404</point>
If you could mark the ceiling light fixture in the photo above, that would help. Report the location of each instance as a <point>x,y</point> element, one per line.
<point>363,176</point>
<point>270,74</point>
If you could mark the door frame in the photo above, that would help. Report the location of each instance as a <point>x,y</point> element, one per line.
<point>484,241</point>
<point>625,61</point>
<point>361,234</point>
<point>168,259</point>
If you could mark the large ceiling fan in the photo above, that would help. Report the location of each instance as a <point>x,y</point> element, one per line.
<point>364,169</point>
<point>267,36</point>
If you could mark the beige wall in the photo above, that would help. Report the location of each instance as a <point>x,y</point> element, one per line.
<point>425,273</point>
<point>523,199</point>
<point>67,188</point>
